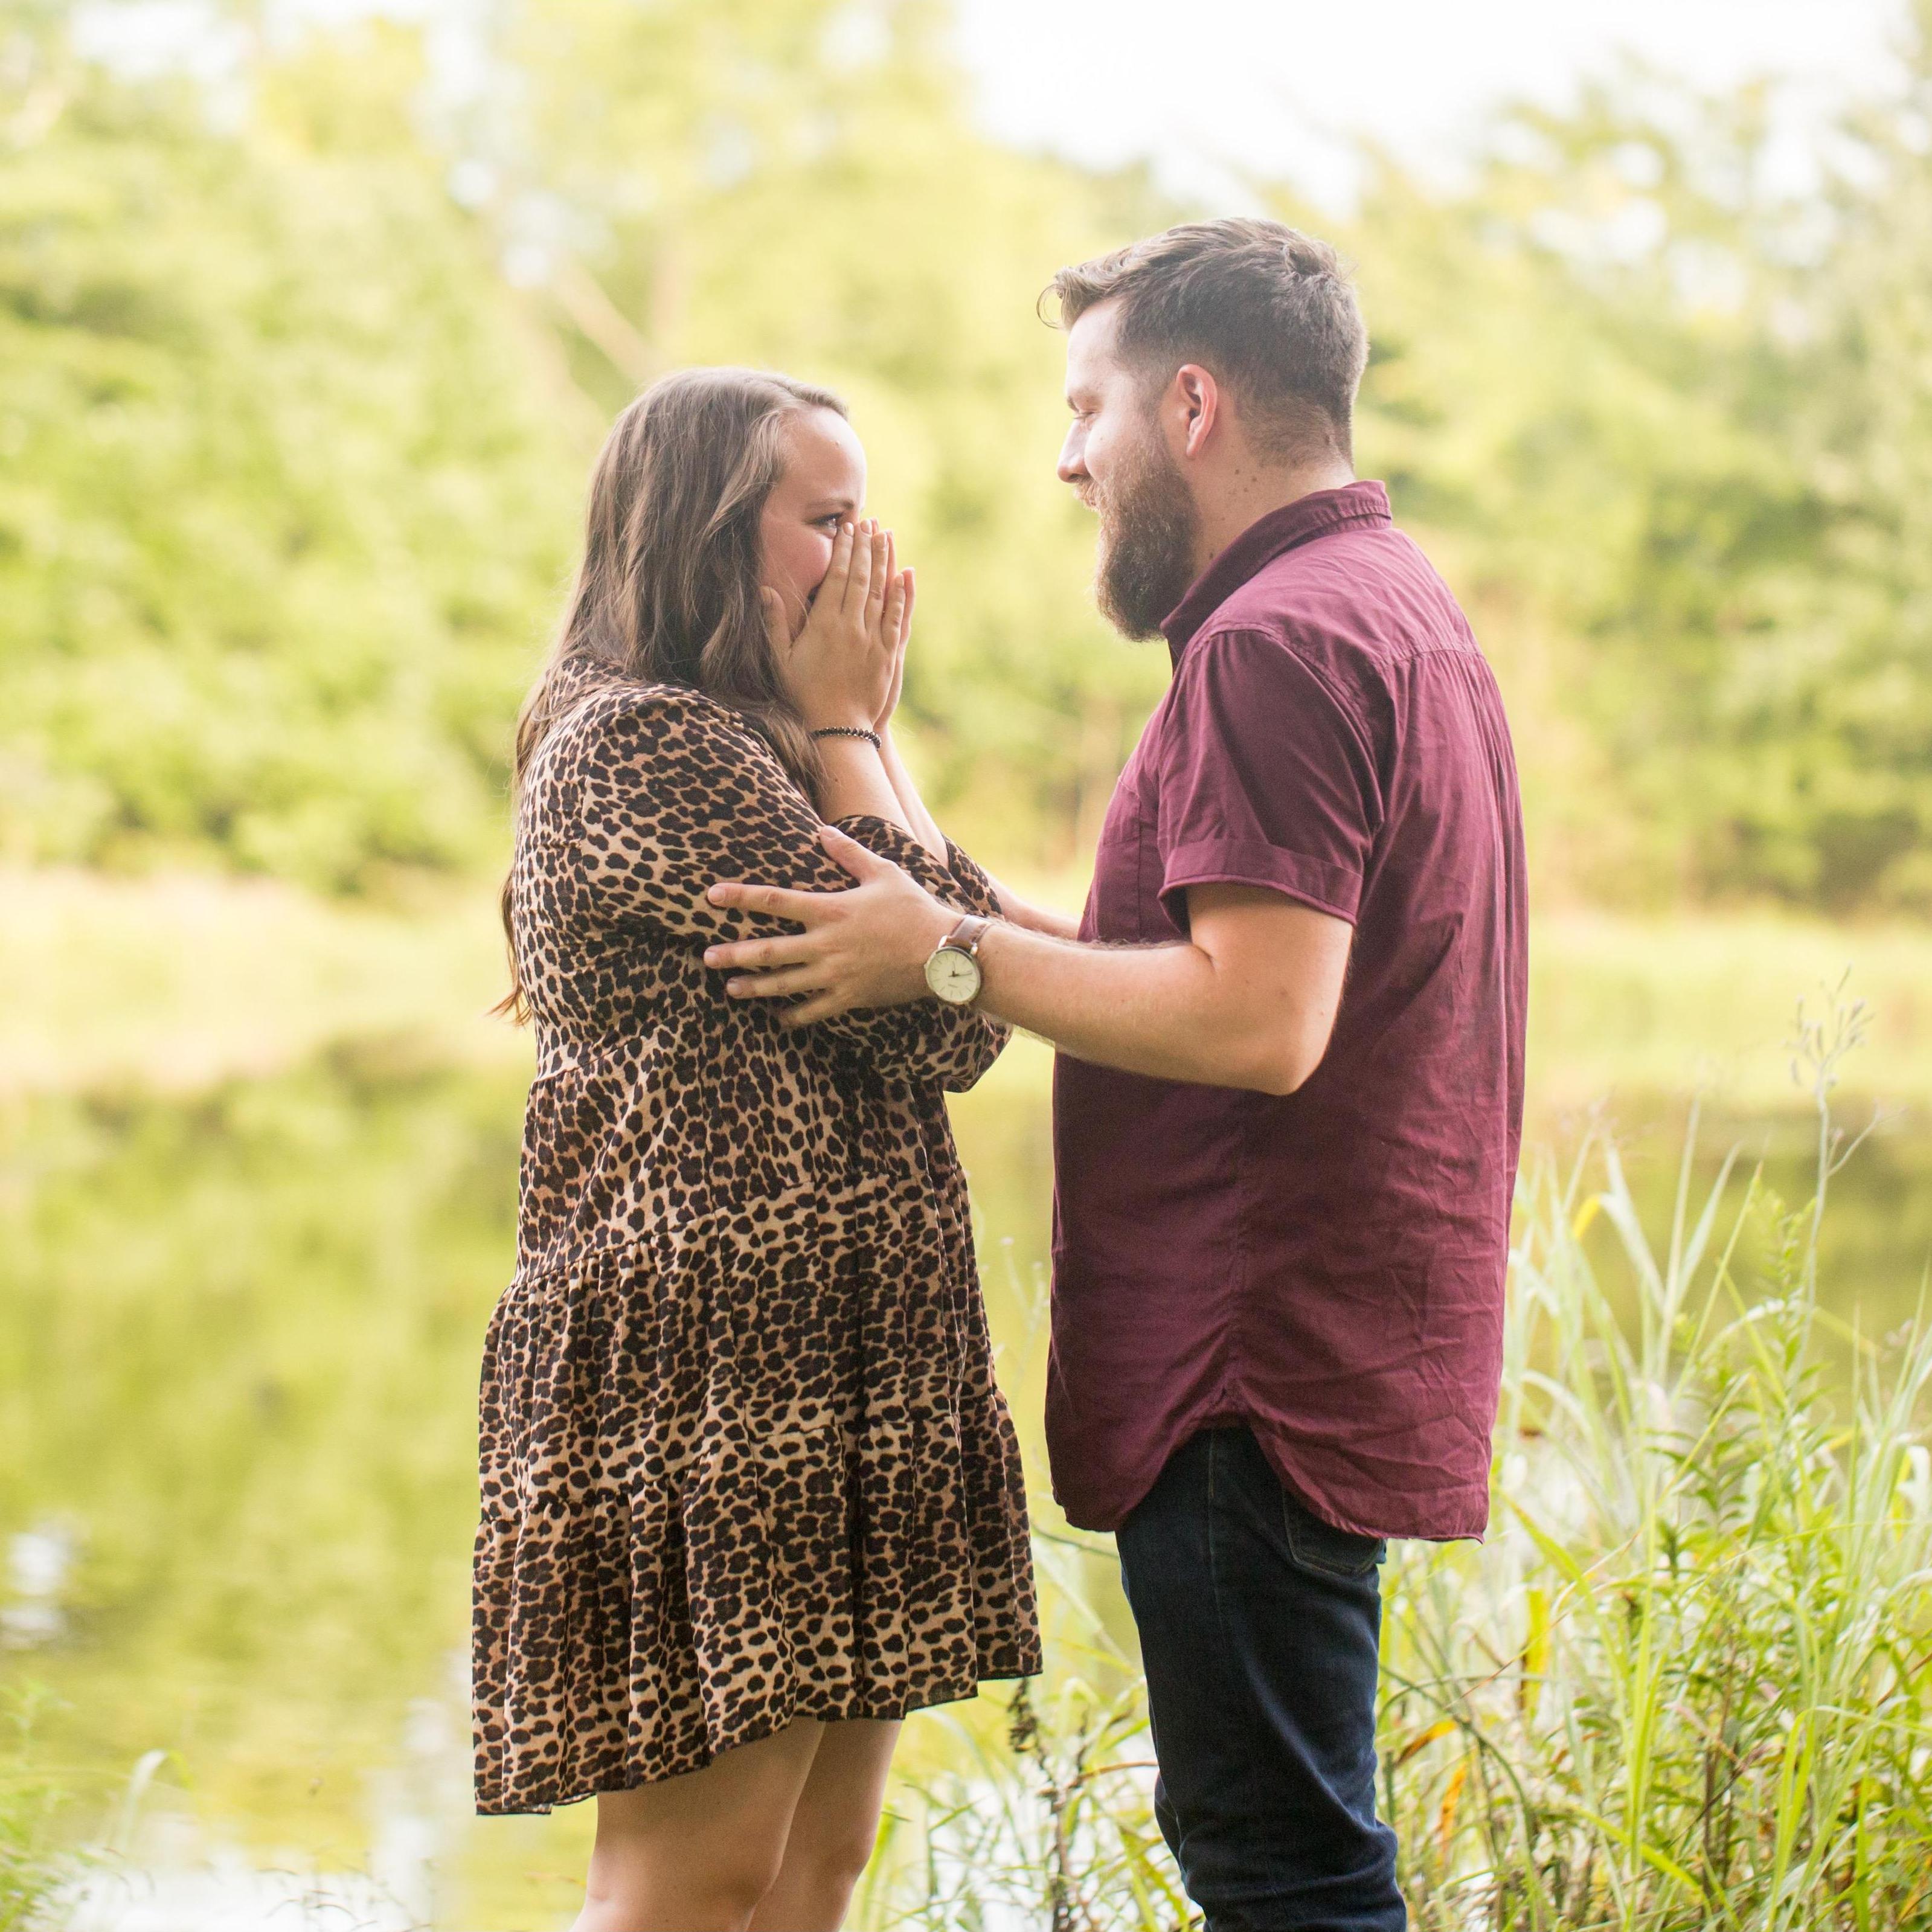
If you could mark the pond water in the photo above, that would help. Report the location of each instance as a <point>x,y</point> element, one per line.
<point>239,1340</point>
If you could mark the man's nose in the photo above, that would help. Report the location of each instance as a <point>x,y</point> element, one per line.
<point>1073,458</point>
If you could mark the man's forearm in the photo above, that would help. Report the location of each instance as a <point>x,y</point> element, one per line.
<point>1247,999</point>
<point>1166,1011</point>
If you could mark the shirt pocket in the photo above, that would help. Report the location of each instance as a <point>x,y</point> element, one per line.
<point>1128,869</point>
<point>1152,922</point>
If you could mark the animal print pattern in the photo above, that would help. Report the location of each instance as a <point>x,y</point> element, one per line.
<point>743,1458</point>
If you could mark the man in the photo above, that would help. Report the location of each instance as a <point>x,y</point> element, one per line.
<point>1288,1095</point>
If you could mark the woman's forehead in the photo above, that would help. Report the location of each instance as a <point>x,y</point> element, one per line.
<point>823,456</point>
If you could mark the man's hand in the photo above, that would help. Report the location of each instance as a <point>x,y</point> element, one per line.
<point>866,947</point>
<point>1247,999</point>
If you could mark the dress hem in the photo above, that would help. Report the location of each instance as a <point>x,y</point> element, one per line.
<point>538,1806</point>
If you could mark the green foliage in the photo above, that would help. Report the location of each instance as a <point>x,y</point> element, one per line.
<point>1673,423</point>
<point>31,1868</point>
<point>762,183</point>
<point>301,378</point>
<point>281,518</point>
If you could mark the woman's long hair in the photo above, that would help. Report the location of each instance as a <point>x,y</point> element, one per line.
<point>667,592</point>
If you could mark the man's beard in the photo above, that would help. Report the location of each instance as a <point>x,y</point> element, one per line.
<point>1148,527</point>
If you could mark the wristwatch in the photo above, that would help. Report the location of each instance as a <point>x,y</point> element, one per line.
<point>953,972</point>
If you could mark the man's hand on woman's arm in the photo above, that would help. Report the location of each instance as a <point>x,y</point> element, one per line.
<point>1248,1000</point>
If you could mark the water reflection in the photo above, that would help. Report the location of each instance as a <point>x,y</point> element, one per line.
<point>238,1342</point>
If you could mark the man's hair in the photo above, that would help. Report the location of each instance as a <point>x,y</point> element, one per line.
<point>1267,310</point>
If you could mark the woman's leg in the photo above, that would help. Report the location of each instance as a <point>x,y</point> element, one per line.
<point>833,1829</point>
<point>697,1853</point>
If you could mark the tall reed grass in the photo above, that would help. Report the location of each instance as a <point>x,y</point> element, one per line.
<point>30,1869</point>
<point>1688,1682</point>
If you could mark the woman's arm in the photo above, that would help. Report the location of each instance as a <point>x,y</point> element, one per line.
<point>858,784</point>
<point>669,790</point>
<point>924,827</point>
<point>1048,919</point>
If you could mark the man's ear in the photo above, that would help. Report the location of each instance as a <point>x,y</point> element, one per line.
<point>1197,398</point>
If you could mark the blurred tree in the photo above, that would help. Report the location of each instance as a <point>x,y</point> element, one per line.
<point>1672,424</point>
<point>1832,799</point>
<point>795,184</point>
<point>284,508</point>
<point>296,406</point>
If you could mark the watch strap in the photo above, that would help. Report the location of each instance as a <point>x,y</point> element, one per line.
<point>965,936</point>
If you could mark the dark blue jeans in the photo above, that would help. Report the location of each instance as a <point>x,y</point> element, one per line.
<point>1260,1628</point>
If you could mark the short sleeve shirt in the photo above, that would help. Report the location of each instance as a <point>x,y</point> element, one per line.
<point>1326,1266</point>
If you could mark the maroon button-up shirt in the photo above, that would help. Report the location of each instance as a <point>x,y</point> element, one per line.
<point>1326,1267</point>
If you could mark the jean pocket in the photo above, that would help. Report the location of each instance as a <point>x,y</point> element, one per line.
<point>1320,1546</point>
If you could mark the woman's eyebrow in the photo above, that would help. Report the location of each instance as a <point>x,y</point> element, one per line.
<point>824,506</point>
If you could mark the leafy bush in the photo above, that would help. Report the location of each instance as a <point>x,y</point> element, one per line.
<point>282,512</point>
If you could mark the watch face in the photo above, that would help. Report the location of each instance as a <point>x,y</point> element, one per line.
<point>953,975</point>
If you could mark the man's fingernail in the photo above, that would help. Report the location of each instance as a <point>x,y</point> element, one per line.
<point>716,894</point>
<point>711,955</point>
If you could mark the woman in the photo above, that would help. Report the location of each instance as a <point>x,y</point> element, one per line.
<point>750,1494</point>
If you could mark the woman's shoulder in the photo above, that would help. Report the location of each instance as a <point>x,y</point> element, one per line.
<point>591,695</point>
<point>599,713</point>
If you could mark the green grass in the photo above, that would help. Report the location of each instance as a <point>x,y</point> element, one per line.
<point>31,1863</point>
<point>1687,1682</point>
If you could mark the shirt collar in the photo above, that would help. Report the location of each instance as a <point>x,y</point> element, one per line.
<point>1306,517</point>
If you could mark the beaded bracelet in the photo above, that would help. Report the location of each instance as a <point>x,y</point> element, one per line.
<point>849,731</point>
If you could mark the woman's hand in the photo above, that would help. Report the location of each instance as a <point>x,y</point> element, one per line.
<point>881,723</point>
<point>842,667</point>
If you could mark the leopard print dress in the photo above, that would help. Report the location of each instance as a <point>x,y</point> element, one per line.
<point>743,1458</point>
